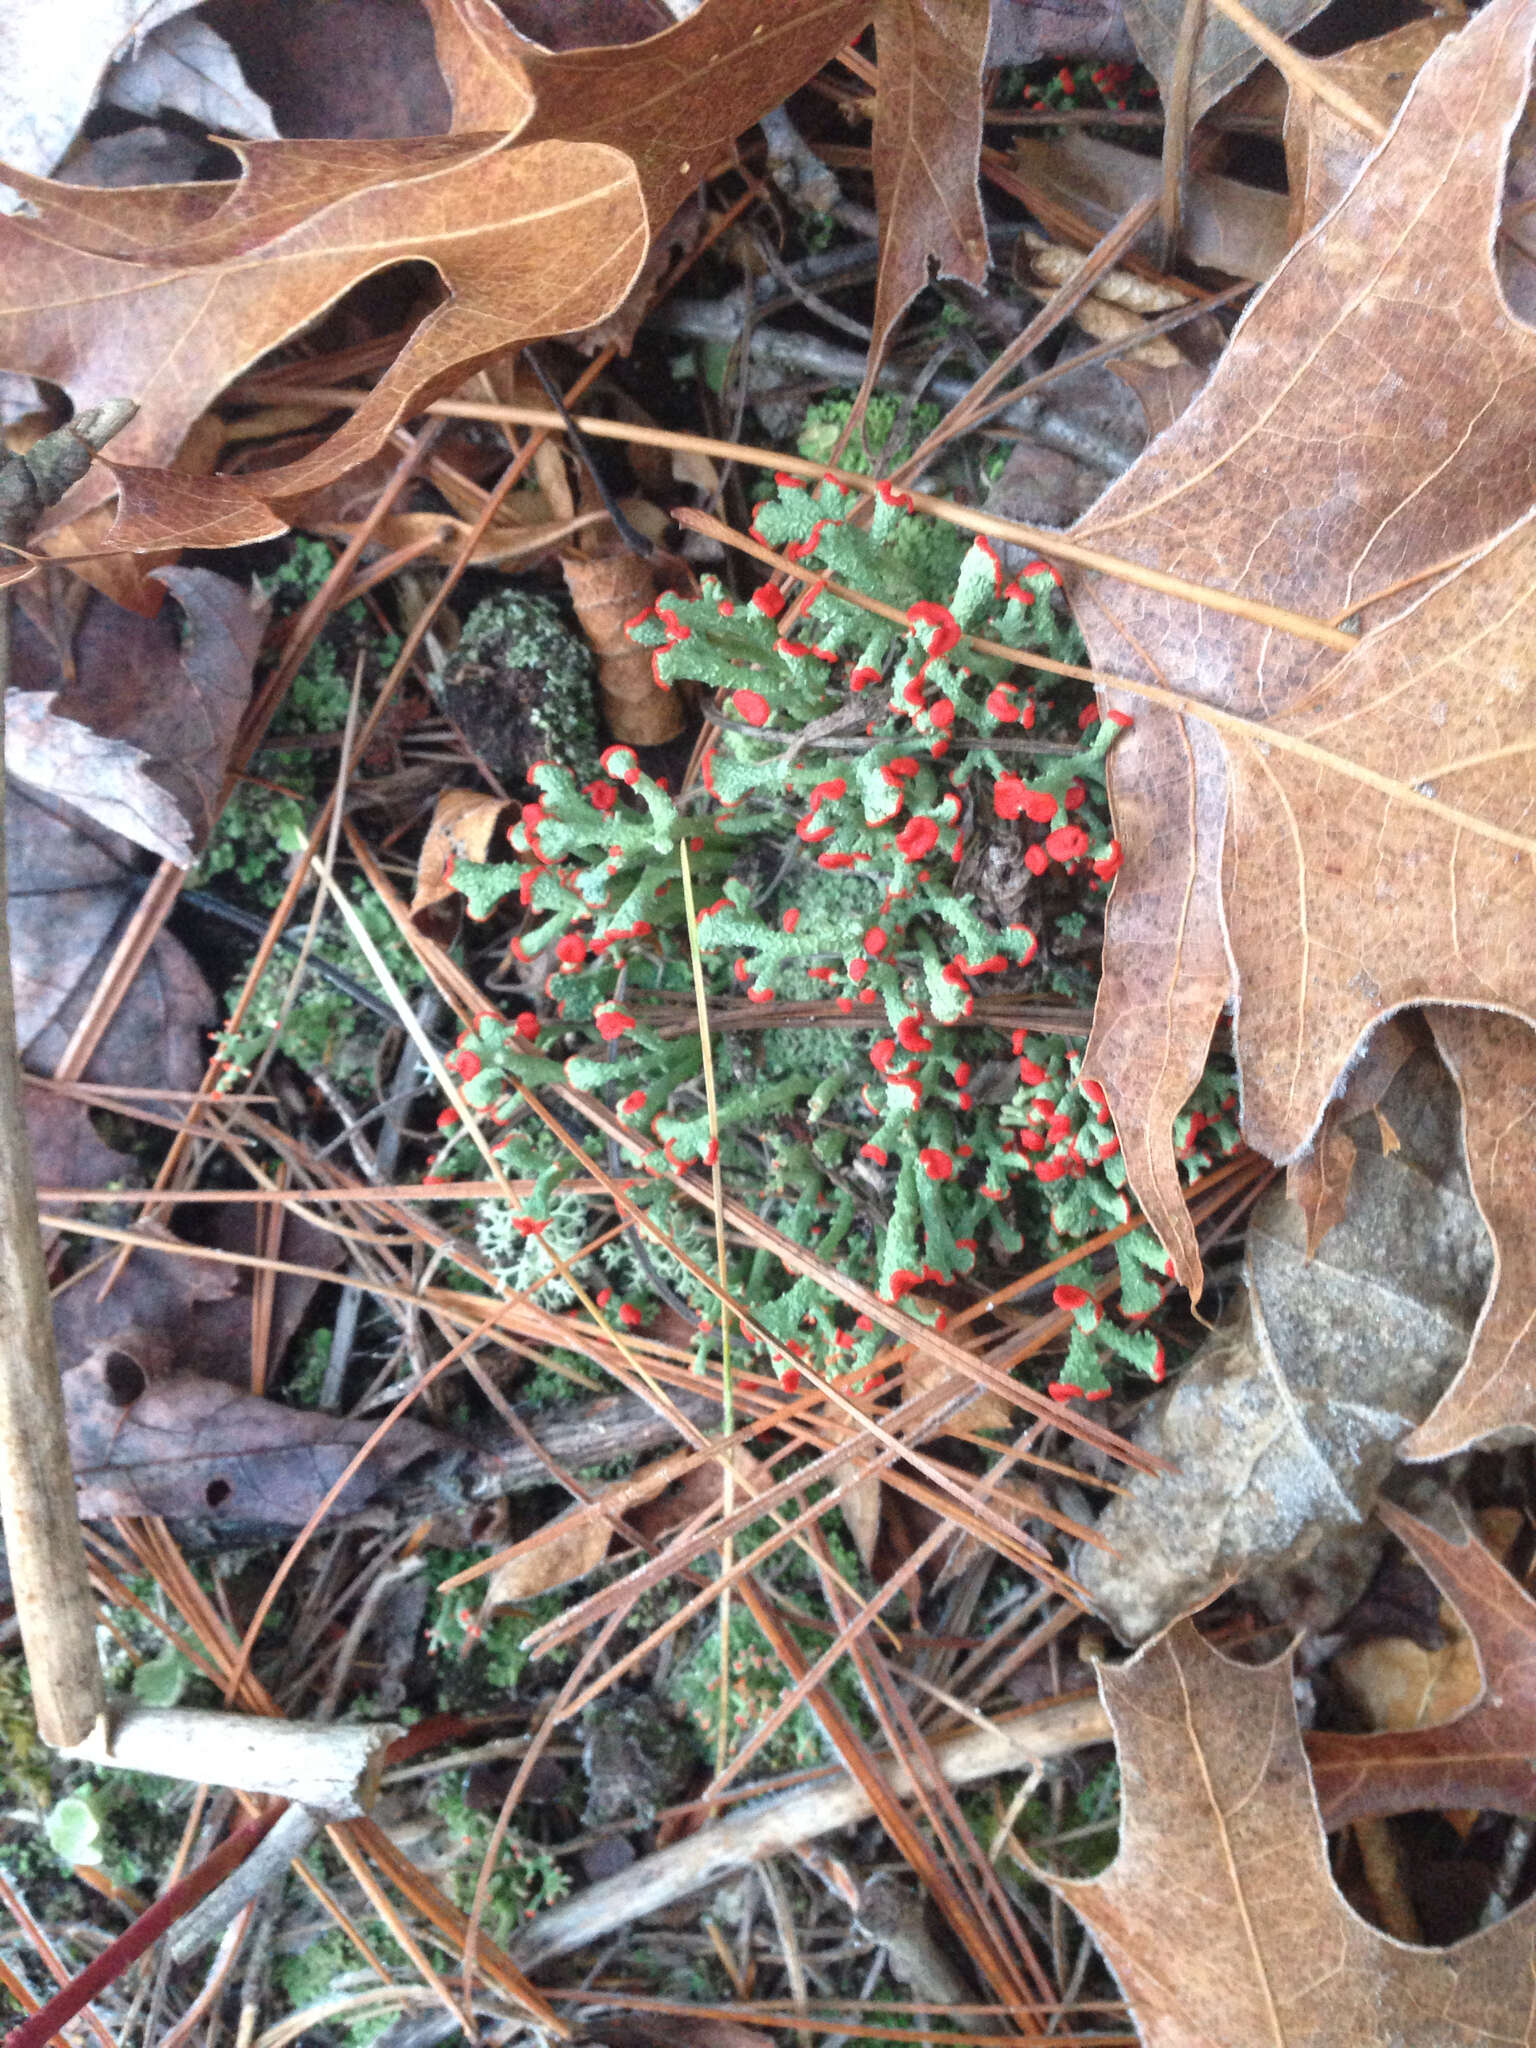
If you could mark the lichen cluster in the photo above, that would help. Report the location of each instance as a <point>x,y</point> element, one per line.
<point>905,1136</point>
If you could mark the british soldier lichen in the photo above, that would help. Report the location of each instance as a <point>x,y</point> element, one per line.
<point>906,1137</point>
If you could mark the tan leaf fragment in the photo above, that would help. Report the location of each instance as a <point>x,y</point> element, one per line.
<point>1368,420</point>
<point>1219,1915</point>
<point>466,825</point>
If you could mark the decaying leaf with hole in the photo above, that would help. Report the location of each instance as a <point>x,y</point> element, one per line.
<point>1330,851</point>
<point>183,1445</point>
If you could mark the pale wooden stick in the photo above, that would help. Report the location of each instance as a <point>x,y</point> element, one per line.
<point>772,1827</point>
<point>331,1767</point>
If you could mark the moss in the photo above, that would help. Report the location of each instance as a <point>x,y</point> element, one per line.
<point>874,452</point>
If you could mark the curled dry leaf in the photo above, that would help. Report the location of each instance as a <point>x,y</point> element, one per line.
<point>466,825</point>
<point>70,895</point>
<point>1287,1422</point>
<point>1485,1757</point>
<point>187,67</point>
<point>51,62</point>
<point>606,590</point>
<point>139,735</point>
<point>1372,403</point>
<point>1219,1915</point>
<point>188,1446</point>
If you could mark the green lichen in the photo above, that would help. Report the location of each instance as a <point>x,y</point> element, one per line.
<point>856,761</point>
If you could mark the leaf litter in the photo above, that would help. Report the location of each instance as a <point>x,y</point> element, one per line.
<point>1245,839</point>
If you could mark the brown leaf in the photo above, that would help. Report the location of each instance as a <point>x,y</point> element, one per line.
<point>1219,1915</point>
<point>1493,1059</point>
<point>466,825</point>
<point>1321,465</point>
<point>1485,1757</point>
<point>188,1446</point>
<point>1323,151</point>
<point>139,735</point>
<point>1226,55</point>
<point>528,240</point>
<point>927,150</point>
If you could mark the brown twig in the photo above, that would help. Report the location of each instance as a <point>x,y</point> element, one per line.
<point>37,1487</point>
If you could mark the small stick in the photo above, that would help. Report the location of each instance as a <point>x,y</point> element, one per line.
<point>289,1838</point>
<point>332,1767</point>
<point>51,1584</point>
<point>771,1827</point>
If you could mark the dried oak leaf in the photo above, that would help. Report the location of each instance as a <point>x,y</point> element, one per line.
<point>1219,1915</point>
<point>139,735</point>
<point>1326,839</point>
<point>189,1446</point>
<point>529,240</point>
<point>1485,1757</point>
